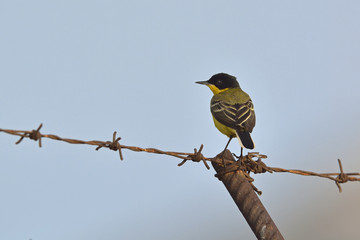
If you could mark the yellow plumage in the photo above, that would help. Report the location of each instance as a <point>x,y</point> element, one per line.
<point>224,129</point>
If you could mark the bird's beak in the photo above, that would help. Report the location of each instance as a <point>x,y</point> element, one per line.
<point>203,82</point>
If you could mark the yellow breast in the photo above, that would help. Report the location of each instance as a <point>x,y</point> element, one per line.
<point>224,129</point>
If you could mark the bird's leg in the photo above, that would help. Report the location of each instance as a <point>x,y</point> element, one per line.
<point>222,154</point>
<point>241,154</point>
<point>230,138</point>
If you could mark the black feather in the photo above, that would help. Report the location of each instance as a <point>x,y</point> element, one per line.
<point>245,140</point>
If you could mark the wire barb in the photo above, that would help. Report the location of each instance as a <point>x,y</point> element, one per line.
<point>34,135</point>
<point>196,157</point>
<point>114,145</point>
<point>342,177</point>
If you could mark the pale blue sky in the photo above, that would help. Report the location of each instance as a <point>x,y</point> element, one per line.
<point>87,68</point>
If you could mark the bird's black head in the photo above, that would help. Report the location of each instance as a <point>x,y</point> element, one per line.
<point>223,80</point>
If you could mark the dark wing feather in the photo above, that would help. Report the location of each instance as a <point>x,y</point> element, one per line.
<point>236,116</point>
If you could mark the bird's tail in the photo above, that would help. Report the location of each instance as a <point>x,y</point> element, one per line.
<point>245,140</point>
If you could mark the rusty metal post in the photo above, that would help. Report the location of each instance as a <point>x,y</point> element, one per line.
<point>248,202</point>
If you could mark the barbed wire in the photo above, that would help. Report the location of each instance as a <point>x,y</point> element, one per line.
<point>113,145</point>
<point>251,163</point>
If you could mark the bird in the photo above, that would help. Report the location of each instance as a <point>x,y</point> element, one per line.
<point>232,109</point>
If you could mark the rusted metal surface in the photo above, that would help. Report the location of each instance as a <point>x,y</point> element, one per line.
<point>247,201</point>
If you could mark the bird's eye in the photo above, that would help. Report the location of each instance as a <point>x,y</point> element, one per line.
<point>219,82</point>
